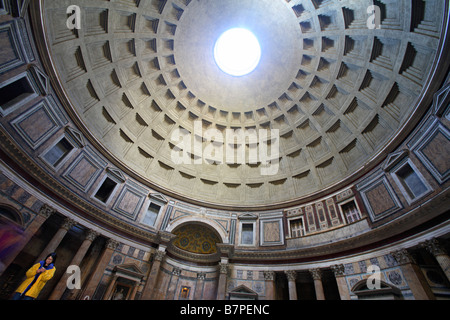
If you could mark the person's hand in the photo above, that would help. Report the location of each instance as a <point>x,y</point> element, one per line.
<point>40,270</point>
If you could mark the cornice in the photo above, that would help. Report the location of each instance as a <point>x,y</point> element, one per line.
<point>421,106</point>
<point>407,226</point>
<point>435,207</point>
<point>81,206</point>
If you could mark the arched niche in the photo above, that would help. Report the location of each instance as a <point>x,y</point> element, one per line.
<point>219,229</point>
<point>196,242</point>
<point>10,215</point>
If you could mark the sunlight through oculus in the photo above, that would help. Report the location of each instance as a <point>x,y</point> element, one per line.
<point>237,52</point>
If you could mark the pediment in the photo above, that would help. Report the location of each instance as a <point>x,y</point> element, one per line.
<point>41,79</point>
<point>442,100</point>
<point>394,158</point>
<point>361,289</point>
<point>129,270</point>
<point>115,173</point>
<point>158,197</point>
<point>248,216</point>
<point>242,289</point>
<point>76,137</point>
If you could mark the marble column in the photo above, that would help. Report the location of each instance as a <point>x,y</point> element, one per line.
<point>44,213</point>
<point>292,276</point>
<point>108,292</point>
<point>339,273</point>
<point>223,275</point>
<point>57,238</point>
<point>435,248</point>
<point>226,252</point>
<point>317,277</point>
<point>413,275</point>
<point>269,278</point>
<point>97,273</point>
<point>171,290</point>
<point>135,290</point>
<point>150,290</point>
<point>58,291</point>
<point>199,286</point>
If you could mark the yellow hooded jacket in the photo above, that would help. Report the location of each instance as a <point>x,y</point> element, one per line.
<point>40,282</point>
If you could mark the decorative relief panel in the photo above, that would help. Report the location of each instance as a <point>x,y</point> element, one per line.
<point>83,171</point>
<point>37,124</point>
<point>12,52</point>
<point>271,232</point>
<point>130,200</point>
<point>320,216</point>
<point>433,150</point>
<point>379,198</point>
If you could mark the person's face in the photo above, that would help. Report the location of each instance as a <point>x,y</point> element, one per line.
<point>49,260</point>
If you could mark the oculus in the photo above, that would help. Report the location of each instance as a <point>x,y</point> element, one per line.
<point>237,52</point>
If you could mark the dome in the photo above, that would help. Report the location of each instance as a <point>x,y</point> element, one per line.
<point>156,173</point>
<point>330,97</point>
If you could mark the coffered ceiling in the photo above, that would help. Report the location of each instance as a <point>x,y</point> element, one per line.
<point>333,92</point>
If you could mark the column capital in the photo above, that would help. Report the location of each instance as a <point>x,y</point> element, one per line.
<point>46,211</point>
<point>434,247</point>
<point>112,244</point>
<point>291,275</point>
<point>269,275</point>
<point>223,267</point>
<point>91,235</point>
<point>68,224</point>
<point>338,270</point>
<point>159,255</point>
<point>316,274</point>
<point>403,256</point>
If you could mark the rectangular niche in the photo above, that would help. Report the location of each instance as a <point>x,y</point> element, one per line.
<point>16,92</point>
<point>247,229</point>
<point>350,210</point>
<point>152,214</point>
<point>296,227</point>
<point>154,209</point>
<point>106,190</point>
<point>56,155</point>
<point>410,181</point>
<point>247,234</point>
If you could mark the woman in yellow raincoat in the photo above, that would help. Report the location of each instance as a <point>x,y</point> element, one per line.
<point>37,277</point>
